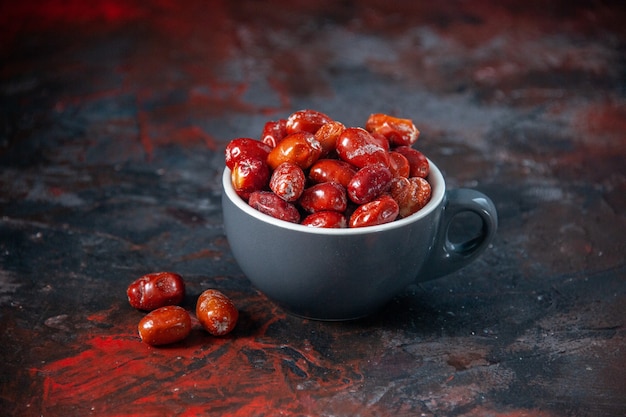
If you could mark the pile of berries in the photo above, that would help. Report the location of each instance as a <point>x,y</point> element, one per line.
<point>160,293</point>
<point>313,170</point>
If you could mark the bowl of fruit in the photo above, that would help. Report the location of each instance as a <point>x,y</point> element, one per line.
<point>331,222</point>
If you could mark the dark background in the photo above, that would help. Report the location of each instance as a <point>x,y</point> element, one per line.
<point>113,120</point>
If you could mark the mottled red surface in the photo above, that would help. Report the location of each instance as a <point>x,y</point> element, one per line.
<point>113,119</point>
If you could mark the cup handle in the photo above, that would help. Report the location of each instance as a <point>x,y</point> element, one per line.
<point>447,256</point>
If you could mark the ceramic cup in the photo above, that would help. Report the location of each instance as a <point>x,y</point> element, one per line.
<point>342,274</point>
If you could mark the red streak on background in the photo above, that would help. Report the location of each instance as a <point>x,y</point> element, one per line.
<point>605,120</point>
<point>241,374</point>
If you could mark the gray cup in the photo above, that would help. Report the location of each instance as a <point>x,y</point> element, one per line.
<point>343,274</point>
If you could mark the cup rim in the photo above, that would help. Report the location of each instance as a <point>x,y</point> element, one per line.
<point>435,178</point>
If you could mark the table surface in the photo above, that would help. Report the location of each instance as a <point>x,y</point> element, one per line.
<point>114,117</point>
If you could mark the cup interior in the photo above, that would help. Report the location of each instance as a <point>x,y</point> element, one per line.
<point>435,178</point>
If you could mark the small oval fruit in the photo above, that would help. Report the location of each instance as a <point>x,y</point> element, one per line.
<point>332,170</point>
<point>306,121</point>
<point>326,219</point>
<point>323,197</point>
<point>369,182</point>
<point>380,211</point>
<point>288,181</point>
<point>411,194</point>
<point>216,312</point>
<point>399,132</point>
<point>299,148</point>
<point>327,136</point>
<point>249,175</point>
<point>156,290</point>
<point>165,325</point>
<point>399,165</point>
<point>241,148</point>
<point>269,203</point>
<point>419,166</point>
<point>273,132</point>
<point>357,147</point>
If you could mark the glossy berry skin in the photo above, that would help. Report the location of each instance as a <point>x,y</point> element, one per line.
<point>411,194</point>
<point>326,219</point>
<point>306,121</point>
<point>380,211</point>
<point>324,197</point>
<point>244,148</point>
<point>249,175</point>
<point>419,166</point>
<point>155,290</point>
<point>288,181</point>
<point>369,182</point>
<point>399,165</point>
<point>381,140</point>
<point>300,148</point>
<point>269,203</point>
<point>399,132</point>
<point>345,169</point>
<point>332,170</point>
<point>165,325</point>
<point>327,136</point>
<point>357,147</point>
<point>216,313</point>
<point>273,132</point>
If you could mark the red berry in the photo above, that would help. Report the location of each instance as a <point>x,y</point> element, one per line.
<point>357,147</point>
<point>399,132</point>
<point>242,148</point>
<point>156,290</point>
<point>165,325</point>
<point>380,211</point>
<point>306,121</point>
<point>216,312</point>
<point>249,175</point>
<point>288,181</point>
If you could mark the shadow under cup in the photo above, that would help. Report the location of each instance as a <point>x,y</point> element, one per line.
<point>342,274</point>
